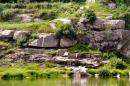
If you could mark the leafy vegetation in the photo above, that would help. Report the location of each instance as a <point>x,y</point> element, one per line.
<point>66,31</point>
<point>82,48</point>
<point>90,16</point>
<point>33,71</point>
<point>117,65</point>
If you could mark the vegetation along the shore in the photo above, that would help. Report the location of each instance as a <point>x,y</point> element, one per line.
<point>56,39</point>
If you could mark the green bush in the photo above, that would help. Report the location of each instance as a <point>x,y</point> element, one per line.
<point>117,63</point>
<point>21,41</point>
<point>90,16</point>
<point>66,31</point>
<point>104,72</point>
<point>12,76</point>
<point>34,73</point>
<point>92,71</point>
<point>7,14</point>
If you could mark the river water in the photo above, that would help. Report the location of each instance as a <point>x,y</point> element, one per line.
<point>68,82</point>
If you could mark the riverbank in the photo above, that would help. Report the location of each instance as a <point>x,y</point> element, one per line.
<point>34,71</point>
<point>51,40</point>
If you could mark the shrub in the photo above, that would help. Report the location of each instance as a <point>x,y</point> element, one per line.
<point>90,16</point>
<point>66,31</point>
<point>51,74</point>
<point>109,55</point>
<point>92,71</point>
<point>34,74</point>
<point>114,72</point>
<point>7,14</point>
<point>104,72</point>
<point>117,63</point>
<point>12,76</point>
<point>21,41</point>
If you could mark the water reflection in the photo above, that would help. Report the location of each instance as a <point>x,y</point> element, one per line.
<point>69,82</point>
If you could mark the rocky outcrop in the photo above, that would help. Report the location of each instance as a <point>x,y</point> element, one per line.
<point>66,42</point>
<point>27,17</point>
<point>24,17</point>
<point>93,1</point>
<point>100,25</point>
<point>18,34</point>
<point>6,35</point>
<point>114,24</point>
<point>45,41</point>
<point>112,5</point>
<point>103,40</point>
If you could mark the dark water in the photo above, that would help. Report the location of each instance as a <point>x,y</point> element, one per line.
<point>68,82</point>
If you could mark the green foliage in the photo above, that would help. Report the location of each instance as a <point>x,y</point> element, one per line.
<point>22,40</point>
<point>7,14</point>
<point>5,44</point>
<point>104,72</point>
<point>82,48</point>
<point>117,63</point>
<point>50,65</point>
<point>66,31</point>
<point>33,71</point>
<point>46,14</point>
<point>92,71</point>
<point>90,16</point>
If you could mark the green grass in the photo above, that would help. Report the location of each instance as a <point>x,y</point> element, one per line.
<point>85,49</point>
<point>33,71</point>
<point>33,26</point>
<point>50,11</point>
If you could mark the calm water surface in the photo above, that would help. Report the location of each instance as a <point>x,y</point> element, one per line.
<point>68,82</point>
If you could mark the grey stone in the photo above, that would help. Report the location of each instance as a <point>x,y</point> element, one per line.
<point>46,40</point>
<point>112,5</point>
<point>38,20</point>
<point>7,33</point>
<point>66,42</point>
<point>25,17</point>
<point>99,24</point>
<point>114,24</point>
<point>18,34</point>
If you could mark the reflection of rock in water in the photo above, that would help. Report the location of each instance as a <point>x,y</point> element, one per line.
<point>79,82</point>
